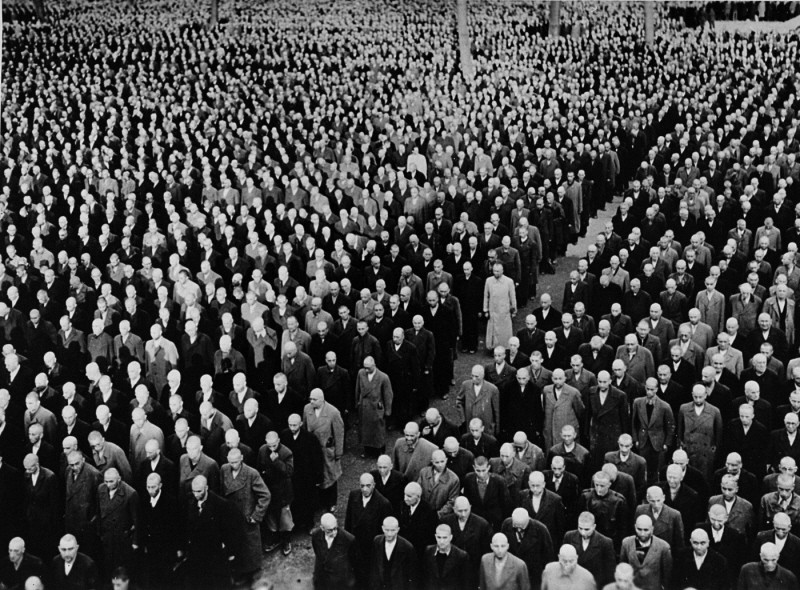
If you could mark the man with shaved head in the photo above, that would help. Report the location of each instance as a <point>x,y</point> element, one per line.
<point>595,550</point>
<point>276,464</point>
<point>244,488</point>
<point>531,541</point>
<point>18,565</point>
<point>766,572</point>
<point>212,537</point>
<point>411,453</point>
<point>72,568</point>
<point>42,502</point>
<point>562,406</point>
<point>335,553</point>
<point>155,535</point>
<point>417,518</point>
<point>118,519</point>
<point>193,463</point>
<point>403,372</point>
<point>667,522</point>
<point>444,566</point>
<point>698,566</point>
<point>392,560</point>
<point>607,417</point>
<point>471,532</point>
<point>307,473</point>
<point>80,509</point>
<point>650,556</point>
<point>366,509</point>
<point>784,539</point>
<point>566,573</point>
<point>500,570</point>
<point>439,485</point>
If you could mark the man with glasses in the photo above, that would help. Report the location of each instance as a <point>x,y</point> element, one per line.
<point>335,553</point>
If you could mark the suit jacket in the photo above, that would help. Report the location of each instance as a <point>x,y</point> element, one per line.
<point>653,573</point>
<point>334,567</point>
<point>734,361</point>
<point>708,577</point>
<point>703,334</point>
<point>82,576</point>
<point>659,430</point>
<point>14,579</point>
<point>695,354</point>
<point>399,573</point>
<point>635,466</point>
<point>568,409</point>
<point>514,576</point>
<point>741,517</point>
<point>186,473</point>
<point>486,406</point>
<point>454,574</point>
<point>598,557</point>
<point>712,312</point>
<point>641,366</point>
<point>496,502</point>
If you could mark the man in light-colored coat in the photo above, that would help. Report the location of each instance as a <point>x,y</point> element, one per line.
<point>562,405</point>
<point>701,333</point>
<point>733,359</point>
<point>440,486</point>
<point>325,422</point>
<point>711,304</point>
<point>500,570</point>
<point>700,431</point>
<point>637,359</point>
<point>374,402</point>
<point>478,398</point>
<point>500,306</point>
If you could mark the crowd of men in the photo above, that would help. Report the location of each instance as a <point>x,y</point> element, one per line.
<point>225,247</point>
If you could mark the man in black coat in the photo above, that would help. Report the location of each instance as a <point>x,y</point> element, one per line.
<point>417,519</point>
<point>335,554</point>
<point>444,566</point>
<point>401,360</point>
<point>307,470</point>
<point>18,565</point>
<point>598,556</point>
<point>390,483</point>
<point>790,553</point>
<point>213,529</point>
<point>521,408</point>
<point>42,507</point>
<point>398,570</point>
<point>468,289</point>
<point>366,510</point>
<point>442,322</point>
<point>494,504</point>
<point>725,540</point>
<point>82,574</point>
<point>471,533</point>
<point>155,535</point>
<point>685,573</point>
<point>567,485</point>
<point>529,540</point>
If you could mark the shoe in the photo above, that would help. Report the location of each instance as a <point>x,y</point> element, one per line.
<point>271,547</point>
<point>444,397</point>
<point>287,548</point>
<point>332,509</point>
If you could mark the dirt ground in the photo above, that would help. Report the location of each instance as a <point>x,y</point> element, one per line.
<point>294,572</point>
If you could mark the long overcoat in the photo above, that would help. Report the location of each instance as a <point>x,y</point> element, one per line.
<point>500,299</point>
<point>374,402</point>
<point>328,427</point>
<point>118,518</point>
<point>248,493</point>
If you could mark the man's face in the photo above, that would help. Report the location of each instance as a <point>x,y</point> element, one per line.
<point>68,549</point>
<point>644,532</point>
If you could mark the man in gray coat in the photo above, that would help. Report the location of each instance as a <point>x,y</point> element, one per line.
<point>649,556</point>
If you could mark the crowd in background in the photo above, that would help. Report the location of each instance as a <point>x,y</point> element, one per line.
<point>224,248</point>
